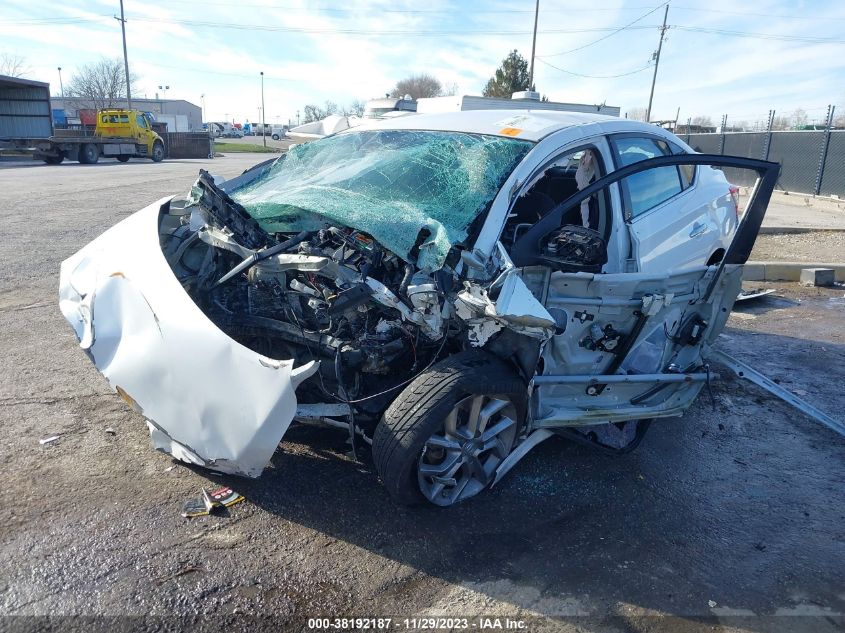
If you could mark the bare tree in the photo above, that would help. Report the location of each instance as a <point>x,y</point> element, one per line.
<point>450,90</point>
<point>355,108</point>
<point>780,123</point>
<point>313,112</point>
<point>799,118</point>
<point>418,86</point>
<point>702,120</point>
<point>101,84</point>
<point>636,114</point>
<point>13,65</point>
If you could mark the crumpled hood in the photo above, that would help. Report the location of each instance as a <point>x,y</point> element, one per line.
<point>208,399</point>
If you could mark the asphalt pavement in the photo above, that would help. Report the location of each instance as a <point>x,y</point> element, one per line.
<point>730,518</point>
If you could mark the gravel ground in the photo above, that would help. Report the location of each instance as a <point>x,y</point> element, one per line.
<point>726,520</point>
<point>814,246</point>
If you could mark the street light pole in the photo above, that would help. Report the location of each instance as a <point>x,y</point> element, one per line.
<point>263,115</point>
<point>202,98</point>
<point>533,46</point>
<point>125,58</point>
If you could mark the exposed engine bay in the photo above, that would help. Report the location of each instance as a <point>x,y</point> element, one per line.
<point>334,295</point>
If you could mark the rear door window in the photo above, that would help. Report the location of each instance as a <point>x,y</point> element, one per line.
<point>648,189</point>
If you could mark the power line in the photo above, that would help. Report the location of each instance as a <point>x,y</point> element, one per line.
<point>417,33</point>
<point>325,9</point>
<point>764,36</point>
<point>619,30</point>
<point>339,30</point>
<point>569,72</point>
<point>765,15</point>
<point>369,32</point>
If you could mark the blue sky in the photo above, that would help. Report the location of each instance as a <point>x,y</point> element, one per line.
<point>357,49</point>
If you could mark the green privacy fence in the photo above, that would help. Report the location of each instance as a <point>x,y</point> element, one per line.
<point>812,161</point>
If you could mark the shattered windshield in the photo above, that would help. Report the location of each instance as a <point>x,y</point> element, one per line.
<point>406,188</point>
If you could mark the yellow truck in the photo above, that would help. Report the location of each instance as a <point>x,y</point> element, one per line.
<point>123,134</point>
<point>120,134</point>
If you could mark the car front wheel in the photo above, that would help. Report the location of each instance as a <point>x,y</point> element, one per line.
<point>445,435</point>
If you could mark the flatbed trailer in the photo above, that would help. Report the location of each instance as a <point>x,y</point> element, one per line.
<point>26,127</point>
<point>85,149</point>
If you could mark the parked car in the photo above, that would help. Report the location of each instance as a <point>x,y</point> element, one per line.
<point>448,289</point>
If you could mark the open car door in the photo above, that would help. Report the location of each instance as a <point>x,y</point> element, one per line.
<point>629,346</point>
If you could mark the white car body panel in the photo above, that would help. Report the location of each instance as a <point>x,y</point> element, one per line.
<point>697,222</point>
<point>209,400</point>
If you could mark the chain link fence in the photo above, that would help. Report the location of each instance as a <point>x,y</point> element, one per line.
<point>811,161</point>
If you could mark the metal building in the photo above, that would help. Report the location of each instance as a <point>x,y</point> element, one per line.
<point>24,108</point>
<point>171,107</point>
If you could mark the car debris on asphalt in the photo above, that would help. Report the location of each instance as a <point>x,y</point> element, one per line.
<point>48,440</point>
<point>747,295</point>
<point>210,502</point>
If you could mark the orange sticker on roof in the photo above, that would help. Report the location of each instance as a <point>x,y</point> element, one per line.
<point>510,131</point>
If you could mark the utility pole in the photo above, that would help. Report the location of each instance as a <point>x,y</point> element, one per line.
<point>533,46</point>
<point>656,63</point>
<point>263,116</point>
<point>62,87</point>
<point>125,58</point>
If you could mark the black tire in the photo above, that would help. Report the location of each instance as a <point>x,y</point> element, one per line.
<point>54,160</point>
<point>123,158</point>
<point>158,152</point>
<point>275,137</point>
<point>89,154</point>
<point>420,410</point>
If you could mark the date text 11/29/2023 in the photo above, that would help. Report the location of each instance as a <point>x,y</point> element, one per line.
<point>426,623</point>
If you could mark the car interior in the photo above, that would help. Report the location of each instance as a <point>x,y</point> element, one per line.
<point>560,180</point>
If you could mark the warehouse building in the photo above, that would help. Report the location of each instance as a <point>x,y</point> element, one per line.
<point>70,108</point>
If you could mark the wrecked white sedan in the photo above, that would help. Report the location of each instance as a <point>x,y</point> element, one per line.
<point>448,289</point>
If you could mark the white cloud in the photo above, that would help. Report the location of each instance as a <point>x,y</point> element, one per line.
<point>702,73</point>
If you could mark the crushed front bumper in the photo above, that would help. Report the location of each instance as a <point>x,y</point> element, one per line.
<point>208,400</point>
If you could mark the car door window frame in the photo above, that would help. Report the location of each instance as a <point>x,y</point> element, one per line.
<point>527,250</point>
<point>675,150</point>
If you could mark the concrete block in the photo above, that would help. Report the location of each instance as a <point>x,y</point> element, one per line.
<point>817,276</point>
<point>754,272</point>
<point>782,271</point>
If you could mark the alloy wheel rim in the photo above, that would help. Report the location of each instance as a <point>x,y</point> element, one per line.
<point>460,460</point>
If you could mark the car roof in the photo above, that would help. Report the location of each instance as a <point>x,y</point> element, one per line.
<point>531,125</point>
